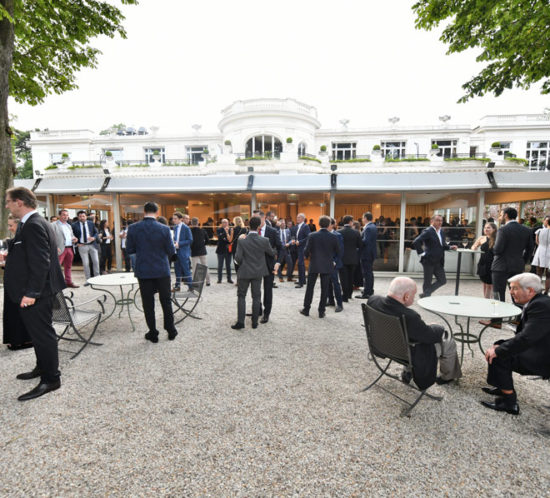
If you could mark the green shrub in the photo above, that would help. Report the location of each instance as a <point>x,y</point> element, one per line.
<point>518,160</point>
<point>351,161</point>
<point>306,158</point>
<point>435,146</point>
<point>84,166</point>
<point>405,160</point>
<point>64,155</point>
<point>254,158</point>
<point>323,148</point>
<point>52,166</point>
<point>178,164</point>
<point>481,159</point>
<point>141,165</point>
<point>227,142</point>
<point>376,147</point>
<point>289,140</point>
<point>108,154</point>
<point>495,145</point>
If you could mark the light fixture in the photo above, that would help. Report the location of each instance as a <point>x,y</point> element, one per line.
<point>106,171</point>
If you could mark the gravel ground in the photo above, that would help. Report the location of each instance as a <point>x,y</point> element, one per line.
<point>275,411</point>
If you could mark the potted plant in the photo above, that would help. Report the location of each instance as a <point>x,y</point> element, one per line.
<point>434,150</point>
<point>289,140</point>
<point>323,149</point>
<point>108,154</point>
<point>376,147</point>
<point>495,147</point>
<point>65,157</point>
<point>228,148</point>
<point>156,154</point>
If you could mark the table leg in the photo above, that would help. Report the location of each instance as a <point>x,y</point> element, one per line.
<point>114,300</point>
<point>126,301</point>
<point>458,264</point>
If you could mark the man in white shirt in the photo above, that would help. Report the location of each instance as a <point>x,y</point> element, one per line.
<point>67,255</point>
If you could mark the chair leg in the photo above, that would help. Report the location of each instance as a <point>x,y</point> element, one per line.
<point>89,340</point>
<point>382,373</point>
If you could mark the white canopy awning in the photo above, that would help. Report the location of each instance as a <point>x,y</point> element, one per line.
<point>211,183</point>
<point>76,185</point>
<point>291,183</point>
<point>539,180</point>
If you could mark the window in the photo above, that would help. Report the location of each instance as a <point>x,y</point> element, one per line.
<point>538,154</point>
<point>264,146</point>
<point>150,151</point>
<point>57,157</point>
<point>302,149</point>
<point>343,151</point>
<point>393,150</point>
<point>447,148</point>
<point>194,153</point>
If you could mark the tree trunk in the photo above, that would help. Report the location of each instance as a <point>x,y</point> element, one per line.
<point>6,155</point>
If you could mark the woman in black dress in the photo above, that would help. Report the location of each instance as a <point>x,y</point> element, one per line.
<point>15,333</point>
<point>486,243</point>
<point>238,229</point>
<point>106,243</point>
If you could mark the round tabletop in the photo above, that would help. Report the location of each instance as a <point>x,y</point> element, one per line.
<point>474,307</point>
<point>113,279</point>
<point>473,251</point>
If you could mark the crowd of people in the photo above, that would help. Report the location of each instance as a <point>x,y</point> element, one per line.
<point>260,249</point>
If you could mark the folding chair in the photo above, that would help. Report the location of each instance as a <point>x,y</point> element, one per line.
<point>193,296</point>
<point>388,340</point>
<point>73,319</point>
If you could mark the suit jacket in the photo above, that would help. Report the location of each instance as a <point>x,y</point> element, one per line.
<point>368,250</point>
<point>352,245</point>
<point>152,244</point>
<point>275,242</point>
<point>423,354</point>
<point>32,266</point>
<point>223,240</point>
<point>512,249</point>
<point>338,257</point>
<point>185,239</point>
<point>432,245</point>
<point>200,239</point>
<point>59,237</point>
<point>301,235</point>
<point>321,247</point>
<point>92,230</point>
<point>531,343</point>
<point>251,256</point>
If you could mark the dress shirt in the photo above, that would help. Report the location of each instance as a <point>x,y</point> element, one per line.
<point>298,229</point>
<point>67,233</point>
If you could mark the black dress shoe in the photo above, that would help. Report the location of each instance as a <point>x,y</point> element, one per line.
<point>172,335</point>
<point>304,312</point>
<point>219,282</point>
<point>298,286</point>
<point>338,309</point>
<point>264,319</point>
<point>493,391</point>
<point>33,374</point>
<point>255,325</point>
<point>237,326</point>
<point>345,300</point>
<point>331,303</point>
<point>275,286</point>
<point>40,390</point>
<point>17,347</point>
<point>422,296</point>
<point>406,376</point>
<point>321,314</point>
<point>441,382</point>
<point>152,336</point>
<point>230,281</point>
<point>505,403</point>
<point>361,296</point>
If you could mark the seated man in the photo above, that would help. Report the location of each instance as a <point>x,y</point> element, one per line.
<point>528,352</point>
<point>432,340</point>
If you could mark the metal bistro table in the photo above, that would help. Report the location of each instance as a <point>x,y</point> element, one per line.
<point>103,282</point>
<point>459,263</point>
<point>468,307</point>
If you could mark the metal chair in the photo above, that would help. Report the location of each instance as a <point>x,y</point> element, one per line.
<point>388,340</point>
<point>73,318</point>
<point>181,298</point>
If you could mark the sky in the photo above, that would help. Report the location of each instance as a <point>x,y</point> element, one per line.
<point>184,61</point>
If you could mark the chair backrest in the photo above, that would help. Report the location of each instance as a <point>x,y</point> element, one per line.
<point>387,335</point>
<point>61,312</point>
<point>199,277</point>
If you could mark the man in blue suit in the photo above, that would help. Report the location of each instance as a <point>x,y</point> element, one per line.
<point>152,244</point>
<point>86,232</point>
<point>431,247</point>
<point>300,234</point>
<point>334,289</point>
<point>367,255</point>
<point>182,240</point>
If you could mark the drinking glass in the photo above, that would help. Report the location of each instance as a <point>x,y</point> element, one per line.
<point>465,243</point>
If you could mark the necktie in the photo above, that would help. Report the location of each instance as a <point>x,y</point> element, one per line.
<point>19,228</point>
<point>178,233</point>
<point>283,238</point>
<point>84,239</point>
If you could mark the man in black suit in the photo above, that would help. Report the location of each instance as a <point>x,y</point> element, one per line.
<point>272,235</point>
<point>252,251</point>
<point>433,341</point>
<point>350,259</point>
<point>528,352</point>
<point>32,278</point>
<point>153,246</point>
<point>300,234</point>
<point>321,248</point>
<point>431,247</point>
<point>86,232</point>
<point>512,250</point>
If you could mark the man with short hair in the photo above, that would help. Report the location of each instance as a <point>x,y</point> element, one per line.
<point>182,241</point>
<point>431,247</point>
<point>350,259</point>
<point>86,232</point>
<point>300,234</point>
<point>270,219</point>
<point>67,255</point>
<point>367,255</point>
<point>153,246</point>
<point>432,341</point>
<point>32,278</point>
<point>528,352</point>
<point>225,237</point>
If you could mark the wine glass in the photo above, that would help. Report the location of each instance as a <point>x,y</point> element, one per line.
<point>465,242</point>
<point>447,240</point>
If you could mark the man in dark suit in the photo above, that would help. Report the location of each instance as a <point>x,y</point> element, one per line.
<point>431,247</point>
<point>252,251</point>
<point>528,352</point>
<point>350,259</point>
<point>271,260</point>
<point>32,278</point>
<point>321,247</point>
<point>86,233</point>
<point>153,246</point>
<point>367,255</point>
<point>225,237</point>
<point>284,255</point>
<point>198,247</point>
<point>300,234</point>
<point>433,341</point>
<point>182,241</point>
<point>512,250</point>
<point>335,289</point>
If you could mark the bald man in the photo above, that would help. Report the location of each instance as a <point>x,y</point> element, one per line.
<point>433,342</point>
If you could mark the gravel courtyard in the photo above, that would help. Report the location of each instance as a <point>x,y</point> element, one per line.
<point>275,411</point>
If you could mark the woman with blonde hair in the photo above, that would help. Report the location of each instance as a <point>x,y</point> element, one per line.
<point>486,243</point>
<point>541,259</point>
<point>238,229</point>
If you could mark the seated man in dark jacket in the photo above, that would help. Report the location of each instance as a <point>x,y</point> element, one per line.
<point>528,352</point>
<point>432,340</point>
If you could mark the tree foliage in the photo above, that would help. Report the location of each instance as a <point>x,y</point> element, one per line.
<point>23,153</point>
<point>512,36</point>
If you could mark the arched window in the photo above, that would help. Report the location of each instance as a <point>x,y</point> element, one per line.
<point>264,146</point>
<point>301,149</point>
